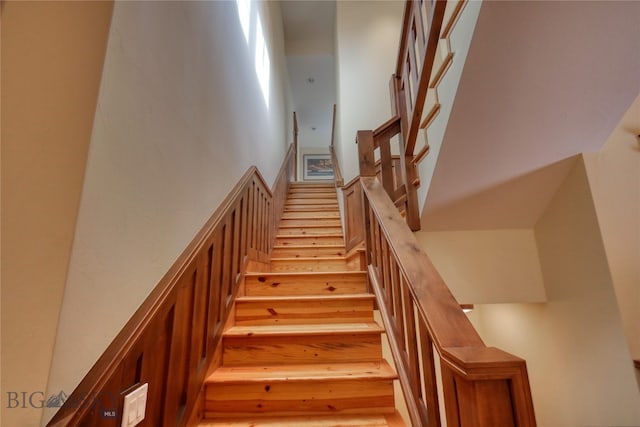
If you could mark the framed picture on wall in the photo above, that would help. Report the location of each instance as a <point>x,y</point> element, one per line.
<point>317,166</point>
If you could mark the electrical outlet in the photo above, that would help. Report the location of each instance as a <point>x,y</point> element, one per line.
<point>135,404</point>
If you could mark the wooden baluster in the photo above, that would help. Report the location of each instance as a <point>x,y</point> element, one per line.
<point>395,290</point>
<point>386,162</point>
<point>429,376</point>
<point>414,74</point>
<point>412,346</point>
<point>450,397</point>
<point>393,279</point>
<point>435,17</point>
<point>407,169</point>
<point>420,26</point>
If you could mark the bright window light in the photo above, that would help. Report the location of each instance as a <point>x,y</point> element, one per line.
<point>263,63</point>
<point>244,13</point>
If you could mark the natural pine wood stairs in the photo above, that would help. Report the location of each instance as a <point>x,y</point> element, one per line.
<point>304,349</point>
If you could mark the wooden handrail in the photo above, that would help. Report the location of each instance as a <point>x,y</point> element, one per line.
<point>295,145</point>
<point>286,175</point>
<point>332,150</point>
<point>482,386</point>
<point>171,341</point>
<point>388,129</point>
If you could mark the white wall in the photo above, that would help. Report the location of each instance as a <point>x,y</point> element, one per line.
<point>313,101</point>
<point>579,364</point>
<point>614,176</point>
<point>367,40</point>
<point>460,41</point>
<point>180,117</point>
<point>487,266</point>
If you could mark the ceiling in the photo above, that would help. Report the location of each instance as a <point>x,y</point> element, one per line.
<point>309,43</point>
<point>543,82</point>
<point>308,26</point>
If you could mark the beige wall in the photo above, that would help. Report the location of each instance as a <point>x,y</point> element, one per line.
<point>460,41</point>
<point>181,116</point>
<point>579,364</point>
<point>52,57</point>
<point>487,266</point>
<point>367,38</point>
<point>614,176</point>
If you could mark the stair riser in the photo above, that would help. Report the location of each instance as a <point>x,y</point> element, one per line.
<point>300,397</point>
<point>297,252</point>
<point>314,201</point>
<point>312,195</point>
<point>303,312</point>
<point>310,222</point>
<point>309,231</point>
<point>333,348</point>
<point>274,285</point>
<point>260,420</point>
<point>312,208</point>
<point>312,187</point>
<point>296,265</point>
<point>284,240</point>
<point>298,215</point>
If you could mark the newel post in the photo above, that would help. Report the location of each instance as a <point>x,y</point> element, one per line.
<point>364,139</point>
<point>486,387</point>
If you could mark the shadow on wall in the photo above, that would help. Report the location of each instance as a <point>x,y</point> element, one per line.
<point>517,203</point>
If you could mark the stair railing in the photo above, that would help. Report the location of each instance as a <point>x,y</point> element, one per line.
<point>295,146</point>
<point>438,353</point>
<point>339,180</point>
<point>429,333</point>
<point>421,31</point>
<point>172,340</point>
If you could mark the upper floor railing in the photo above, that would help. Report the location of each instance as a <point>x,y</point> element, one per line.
<point>423,57</point>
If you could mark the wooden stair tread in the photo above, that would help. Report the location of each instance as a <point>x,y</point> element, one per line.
<point>302,236</point>
<point>317,194</point>
<point>308,298</point>
<point>304,309</point>
<point>316,274</point>
<point>311,208</point>
<point>303,246</point>
<point>315,259</point>
<point>316,221</point>
<point>307,372</point>
<point>312,201</point>
<point>357,420</point>
<point>310,231</point>
<point>313,223</point>
<point>303,330</point>
<point>297,184</point>
<point>304,350</point>
<point>293,241</point>
<point>306,283</point>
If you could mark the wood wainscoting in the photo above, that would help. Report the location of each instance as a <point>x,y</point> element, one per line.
<point>171,342</point>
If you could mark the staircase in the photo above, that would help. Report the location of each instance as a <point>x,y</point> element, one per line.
<point>304,349</point>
